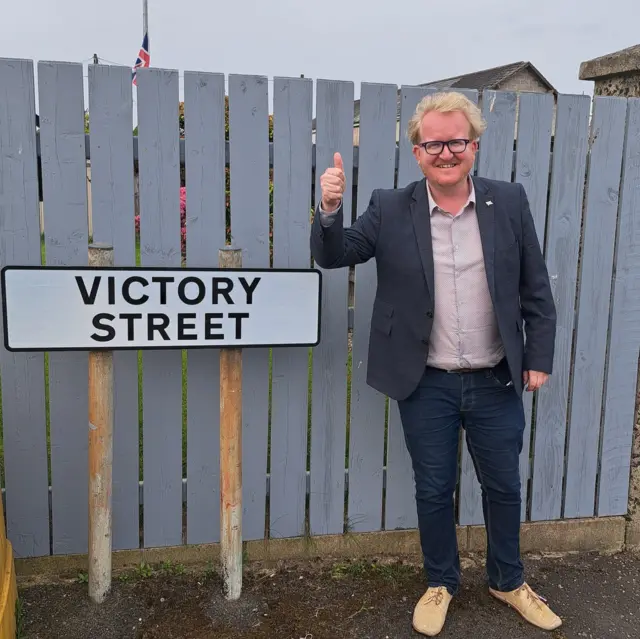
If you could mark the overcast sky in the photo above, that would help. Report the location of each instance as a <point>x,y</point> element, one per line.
<point>402,42</point>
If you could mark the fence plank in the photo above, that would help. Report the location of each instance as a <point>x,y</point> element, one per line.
<point>472,94</point>
<point>408,169</point>
<point>160,246</point>
<point>533,153</point>
<point>205,223</point>
<point>378,117</point>
<point>292,102</point>
<point>64,184</point>
<point>495,161</point>
<point>495,158</point>
<point>334,133</point>
<point>622,360</point>
<point>565,213</point>
<point>110,108</point>
<point>249,160</point>
<point>607,136</point>
<point>533,156</point>
<point>400,505</point>
<point>22,374</point>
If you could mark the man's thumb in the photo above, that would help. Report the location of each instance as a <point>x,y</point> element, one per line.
<point>337,161</point>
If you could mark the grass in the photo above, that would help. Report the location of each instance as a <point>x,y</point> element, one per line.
<point>146,571</point>
<point>20,619</point>
<point>391,571</point>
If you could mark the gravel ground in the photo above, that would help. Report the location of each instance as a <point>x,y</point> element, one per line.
<point>597,596</point>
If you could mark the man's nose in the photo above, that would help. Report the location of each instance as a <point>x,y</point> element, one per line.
<point>446,153</point>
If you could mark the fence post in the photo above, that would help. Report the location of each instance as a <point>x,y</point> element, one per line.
<point>231,453</point>
<point>100,453</point>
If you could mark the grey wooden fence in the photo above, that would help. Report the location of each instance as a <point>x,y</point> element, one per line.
<point>323,453</point>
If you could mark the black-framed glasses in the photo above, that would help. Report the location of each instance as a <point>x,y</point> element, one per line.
<point>435,147</point>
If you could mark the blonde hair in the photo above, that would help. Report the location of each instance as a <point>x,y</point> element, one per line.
<point>446,103</point>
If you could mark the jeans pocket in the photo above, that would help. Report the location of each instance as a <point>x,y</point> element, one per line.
<point>500,378</point>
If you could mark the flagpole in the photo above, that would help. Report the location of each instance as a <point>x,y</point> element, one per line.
<point>145,22</point>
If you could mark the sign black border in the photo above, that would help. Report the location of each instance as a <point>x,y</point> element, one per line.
<point>202,269</point>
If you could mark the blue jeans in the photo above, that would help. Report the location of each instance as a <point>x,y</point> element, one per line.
<point>486,405</point>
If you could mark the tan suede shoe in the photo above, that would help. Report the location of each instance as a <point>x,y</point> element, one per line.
<point>531,606</point>
<point>431,611</point>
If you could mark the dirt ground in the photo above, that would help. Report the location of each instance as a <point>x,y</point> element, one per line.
<point>597,596</point>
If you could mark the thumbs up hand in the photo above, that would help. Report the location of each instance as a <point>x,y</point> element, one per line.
<point>332,184</point>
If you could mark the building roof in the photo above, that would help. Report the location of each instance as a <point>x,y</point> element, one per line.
<point>486,79</point>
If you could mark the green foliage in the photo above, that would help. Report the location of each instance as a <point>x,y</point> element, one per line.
<point>169,568</point>
<point>144,570</point>
<point>19,608</point>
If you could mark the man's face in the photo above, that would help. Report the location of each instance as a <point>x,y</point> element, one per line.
<point>445,167</point>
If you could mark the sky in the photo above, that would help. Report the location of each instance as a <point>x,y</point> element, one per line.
<point>401,42</point>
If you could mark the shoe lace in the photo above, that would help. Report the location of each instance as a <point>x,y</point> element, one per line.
<point>437,596</point>
<point>535,599</point>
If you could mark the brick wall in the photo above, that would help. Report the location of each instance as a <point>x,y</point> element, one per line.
<point>524,81</point>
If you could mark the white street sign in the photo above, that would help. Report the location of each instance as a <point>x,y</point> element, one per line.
<point>67,308</point>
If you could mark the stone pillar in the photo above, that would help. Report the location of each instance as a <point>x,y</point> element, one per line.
<point>616,73</point>
<point>633,523</point>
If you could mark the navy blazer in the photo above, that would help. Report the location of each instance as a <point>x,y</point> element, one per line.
<point>395,229</point>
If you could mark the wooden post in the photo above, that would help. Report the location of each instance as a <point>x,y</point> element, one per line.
<point>100,453</point>
<point>231,454</point>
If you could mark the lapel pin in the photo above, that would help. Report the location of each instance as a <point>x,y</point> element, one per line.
<point>489,203</point>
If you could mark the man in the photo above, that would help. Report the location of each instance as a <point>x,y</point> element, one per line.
<point>459,268</point>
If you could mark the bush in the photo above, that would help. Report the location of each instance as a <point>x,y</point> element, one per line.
<point>183,222</point>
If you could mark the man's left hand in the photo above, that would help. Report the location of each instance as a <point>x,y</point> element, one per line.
<point>533,380</point>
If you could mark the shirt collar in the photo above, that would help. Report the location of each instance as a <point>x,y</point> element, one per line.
<point>472,197</point>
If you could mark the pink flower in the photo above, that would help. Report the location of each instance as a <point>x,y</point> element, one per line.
<point>183,220</point>
<point>183,200</point>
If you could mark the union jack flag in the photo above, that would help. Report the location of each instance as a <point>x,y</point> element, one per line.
<point>143,60</point>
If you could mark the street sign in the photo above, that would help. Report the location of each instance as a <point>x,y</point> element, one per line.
<point>67,308</point>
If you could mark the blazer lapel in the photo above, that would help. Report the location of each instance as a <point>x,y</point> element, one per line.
<point>485,209</point>
<point>422,226</point>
